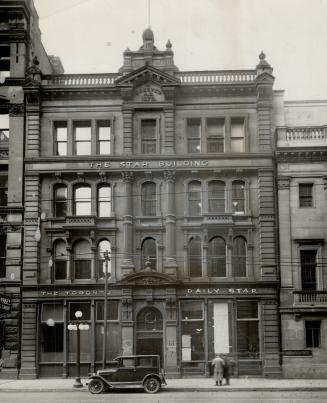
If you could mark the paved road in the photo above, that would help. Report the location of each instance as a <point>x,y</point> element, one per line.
<point>164,397</point>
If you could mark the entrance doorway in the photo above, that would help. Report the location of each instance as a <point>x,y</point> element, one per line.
<point>149,333</point>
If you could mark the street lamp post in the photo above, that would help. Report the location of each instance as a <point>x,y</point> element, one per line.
<point>78,326</point>
<point>105,310</point>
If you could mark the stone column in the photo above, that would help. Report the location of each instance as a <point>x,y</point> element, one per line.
<point>285,235</point>
<point>127,264</point>
<point>170,266</point>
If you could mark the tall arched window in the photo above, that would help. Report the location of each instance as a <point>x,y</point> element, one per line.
<point>60,200</point>
<point>149,319</point>
<point>194,198</point>
<point>195,257</point>
<point>239,257</point>
<point>216,197</point>
<point>82,260</point>
<point>149,199</point>
<point>82,200</point>
<point>149,253</point>
<point>104,200</point>
<point>238,196</point>
<point>104,246</point>
<point>60,260</point>
<point>217,257</point>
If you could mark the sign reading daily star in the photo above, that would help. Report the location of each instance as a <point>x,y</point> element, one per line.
<point>218,291</point>
<point>5,303</point>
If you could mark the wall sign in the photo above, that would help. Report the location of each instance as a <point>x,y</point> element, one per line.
<point>219,291</point>
<point>149,164</point>
<point>72,293</point>
<point>5,303</point>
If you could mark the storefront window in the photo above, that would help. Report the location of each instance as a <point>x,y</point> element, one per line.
<point>85,335</point>
<point>248,330</point>
<point>218,328</point>
<point>52,333</point>
<point>192,331</point>
<point>113,330</point>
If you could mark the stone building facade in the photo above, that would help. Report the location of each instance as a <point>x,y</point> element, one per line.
<point>19,44</point>
<point>172,173</point>
<point>302,170</point>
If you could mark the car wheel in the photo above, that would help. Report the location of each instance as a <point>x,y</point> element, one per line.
<point>152,385</point>
<point>96,386</point>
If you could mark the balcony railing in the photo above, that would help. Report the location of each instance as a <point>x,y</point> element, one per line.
<point>302,136</point>
<point>217,77</point>
<point>81,80</point>
<point>310,297</point>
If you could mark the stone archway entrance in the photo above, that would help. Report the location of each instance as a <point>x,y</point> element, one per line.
<point>149,332</point>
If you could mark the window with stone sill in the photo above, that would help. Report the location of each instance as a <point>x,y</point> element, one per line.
<point>215,134</point>
<point>306,194</point>
<point>60,138</point>
<point>237,135</point>
<point>82,138</point>
<point>194,198</point>
<point>308,259</point>
<point>312,333</point>
<point>104,137</point>
<point>82,260</point>
<point>216,196</point>
<point>149,136</point>
<point>149,199</point>
<point>193,133</point>
<point>238,197</point>
<point>82,200</point>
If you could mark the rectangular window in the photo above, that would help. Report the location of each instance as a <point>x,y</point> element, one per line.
<point>82,269</point>
<point>4,62</point>
<point>193,133</point>
<point>60,138</point>
<point>104,137</point>
<point>84,307</point>
<point>149,136</point>
<point>192,331</point>
<point>306,194</point>
<point>215,132</point>
<point>82,138</point>
<point>248,345</point>
<point>312,333</point>
<point>52,333</point>
<point>4,127</point>
<point>308,269</point>
<point>237,143</point>
<point>60,269</point>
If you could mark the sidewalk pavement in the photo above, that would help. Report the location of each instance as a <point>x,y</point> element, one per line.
<point>174,385</point>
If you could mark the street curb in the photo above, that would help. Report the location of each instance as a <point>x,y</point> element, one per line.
<point>164,390</point>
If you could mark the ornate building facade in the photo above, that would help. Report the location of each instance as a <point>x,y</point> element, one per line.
<point>172,173</point>
<point>302,170</point>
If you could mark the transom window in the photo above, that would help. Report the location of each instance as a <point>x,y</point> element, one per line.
<point>60,138</point>
<point>104,137</point>
<point>193,132</point>
<point>306,194</point>
<point>82,138</point>
<point>82,200</point>
<point>149,136</point>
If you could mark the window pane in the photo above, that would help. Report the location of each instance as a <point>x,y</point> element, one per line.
<point>52,311</point>
<point>62,149</point>
<point>82,269</point>
<point>217,257</point>
<point>61,133</point>
<point>194,195</point>
<point>215,127</point>
<point>193,341</point>
<point>237,127</point>
<point>216,196</point>
<point>215,145</point>
<point>104,147</point>
<point>83,140</point>
<point>239,257</point>
<point>308,270</point>
<point>60,267</point>
<point>82,133</point>
<point>84,307</point>
<point>192,310</point>
<point>148,128</point>
<point>104,201</point>
<point>103,247</point>
<point>149,199</point>
<point>60,201</point>
<point>238,196</point>
<point>312,333</point>
<point>195,258</point>
<point>193,128</point>
<point>104,132</point>
<point>149,319</point>
<point>247,310</point>
<point>149,253</point>
<point>83,200</point>
<point>83,148</point>
<point>52,343</point>
<point>237,145</point>
<point>248,339</point>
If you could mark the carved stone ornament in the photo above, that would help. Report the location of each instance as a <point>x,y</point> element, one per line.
<point>16,109</point>
<point>4,154</point>
<point>169,176</point>
<point>149,278</point>
<point>128,176</point>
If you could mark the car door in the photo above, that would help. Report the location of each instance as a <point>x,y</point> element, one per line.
<point>126,372</point>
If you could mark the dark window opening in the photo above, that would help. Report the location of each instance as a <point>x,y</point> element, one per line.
<point>308,270</point>
<point>193,132</point>
<point>312,333</point>
<point>52,338</point>
<point>149,136</point>
<point>306,194</point>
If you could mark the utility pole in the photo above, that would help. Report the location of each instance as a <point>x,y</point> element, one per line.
<point>105,310</point>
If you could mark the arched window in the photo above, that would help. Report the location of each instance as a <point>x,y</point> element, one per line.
<point>216,197</point>
<point>60,200</point>
<point>82,200</point>
<point>149,199</point>
<point>194,198</point>
<point>217,257</point>
<point>239,257</point>
<point>60,260</point>
<point>149,253</point>
<point>195,257</point>
<point>103,247</point>
<point>104,200</point>
<point>149,319</point>
<point>238,196</point>
<point>82,260</point>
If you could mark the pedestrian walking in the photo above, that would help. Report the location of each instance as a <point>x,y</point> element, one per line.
<point>218,371</point>
<point>228,368</point>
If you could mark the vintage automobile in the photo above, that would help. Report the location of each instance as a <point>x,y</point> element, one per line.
<point>132,371</point>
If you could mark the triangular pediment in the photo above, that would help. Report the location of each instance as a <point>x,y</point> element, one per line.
<point>265,77</point>
<point>148,278</point>
<point>147,74</point>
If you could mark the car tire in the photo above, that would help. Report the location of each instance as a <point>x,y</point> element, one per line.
<point>96,386</point>
<point>152,385</point>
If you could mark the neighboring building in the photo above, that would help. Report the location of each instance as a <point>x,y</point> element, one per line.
<point>19,44</point>
<point>302,185</point>
<point>172,173</point>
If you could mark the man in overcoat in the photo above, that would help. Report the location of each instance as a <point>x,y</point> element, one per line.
<point>218,363</point>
